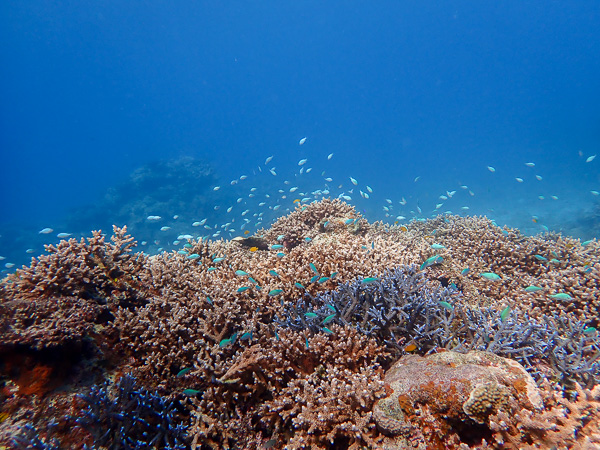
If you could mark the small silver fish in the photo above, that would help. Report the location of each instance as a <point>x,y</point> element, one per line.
<point>302,141</point>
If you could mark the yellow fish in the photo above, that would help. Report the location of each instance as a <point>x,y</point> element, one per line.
<point>253,249</point>
<point>246,232</point>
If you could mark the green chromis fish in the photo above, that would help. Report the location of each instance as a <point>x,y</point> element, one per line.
<point>182,372</point>
<point>275,292</point>
<point>446,305</point>
<point>533,288</point>
<point>561,296</point>
<point>246,336</point>
<point>329,319</point>
<point>241,273</point>
<point>490,276</point>
<point>435,259</point>
<point>190,392</point>
<point>504,314</point>
<point>437,246</point>
<point>311,315</point>
<point>369,280</point>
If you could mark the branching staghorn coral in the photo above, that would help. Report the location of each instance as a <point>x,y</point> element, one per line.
<point>90,269</point>
<point>283,382</point>
<point>400,307</point>
<point>129,416</point>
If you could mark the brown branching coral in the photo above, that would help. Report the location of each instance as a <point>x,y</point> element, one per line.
<point>46,323</point>
<point>308,221</point>
<point>308,391</point>
<point>89,269</point>
<point>62,296</point>
<point>564,423</point>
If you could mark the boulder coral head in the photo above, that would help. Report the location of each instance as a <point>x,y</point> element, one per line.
<point>451,395</point>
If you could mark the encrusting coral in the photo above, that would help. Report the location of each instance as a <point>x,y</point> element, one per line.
<point>449,392</point>
<point>287,344</point>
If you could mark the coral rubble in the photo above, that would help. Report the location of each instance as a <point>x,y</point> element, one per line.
<point>332,333</point>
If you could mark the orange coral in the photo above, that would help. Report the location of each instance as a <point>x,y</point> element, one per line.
<point>35,381</point>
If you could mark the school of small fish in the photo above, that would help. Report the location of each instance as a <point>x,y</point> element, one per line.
<point>253,206</point>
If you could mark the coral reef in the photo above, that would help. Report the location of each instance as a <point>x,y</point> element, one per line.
<point>174,185</point>
<point>288,344</point>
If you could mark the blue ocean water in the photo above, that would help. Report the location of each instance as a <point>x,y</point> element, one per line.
<point>112,112</point>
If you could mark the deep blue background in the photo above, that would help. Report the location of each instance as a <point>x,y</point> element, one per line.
<point>90,91</point>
